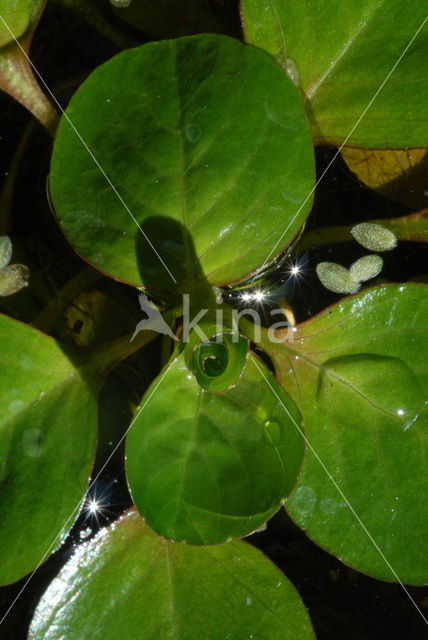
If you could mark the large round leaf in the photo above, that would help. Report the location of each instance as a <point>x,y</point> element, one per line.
<point>129,583</point>
<point>358,371</point>
<point>201,151</point>
<point>340,54</point>
<point>47,444</point>
<point>204,466</point>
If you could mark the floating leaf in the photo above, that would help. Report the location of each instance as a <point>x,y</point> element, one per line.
<point>167,590</point>
<point>47,444</point>
<point>336,278</point>
<point>374,237</point>
<point>219,143</point>
<point>366,268</point>
<point>5,251</point>
<point>204,467</point>
<point>358,372</point>
<point>355,62</point>
<point>399,174</point>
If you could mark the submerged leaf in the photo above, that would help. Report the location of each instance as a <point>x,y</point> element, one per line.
<point>13,278</point>
<point>374,237</point>
<point>399,174</point>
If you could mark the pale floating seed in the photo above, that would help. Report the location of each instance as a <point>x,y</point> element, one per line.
<point>336,278</point>
<point>13,278</point>
<point>374,237</point>
<point>365,268</point>
<point>5,251</point>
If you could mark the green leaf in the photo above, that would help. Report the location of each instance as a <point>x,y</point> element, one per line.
<point>358,372</point>
<point>47,445</point>
<point>18,15</point>
<point>204,466</point>
<point>340,54</point>
<point>206,144</point>
<point>129,583</point>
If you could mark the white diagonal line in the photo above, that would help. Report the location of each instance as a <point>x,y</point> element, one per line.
<point>77,507</point>
<point>65,115</point>
<point>362,525</point>
<point>343,143</point>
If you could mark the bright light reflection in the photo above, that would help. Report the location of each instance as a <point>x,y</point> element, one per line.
<point>93,506</point>
<point>295,270</point>
<point>400,412</point>
<point>246,297</point>
<point>259,296</point>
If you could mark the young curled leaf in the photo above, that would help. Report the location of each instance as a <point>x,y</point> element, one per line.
<point>218,362</point>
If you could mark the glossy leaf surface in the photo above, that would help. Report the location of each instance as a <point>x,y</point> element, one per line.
<point>204,467</point>
<point>18,15</point>
<point>358,372</point>
<point>340,54</point>
<point>166,590</point>
<point>47,444</point>
<point>204,140</point>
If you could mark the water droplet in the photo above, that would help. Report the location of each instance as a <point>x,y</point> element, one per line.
<point>15,406</point>
<point>248,601</point>
<point>193,132</point>
<point>32,442</point>
<point>85,533</point>
<point>272,433</point>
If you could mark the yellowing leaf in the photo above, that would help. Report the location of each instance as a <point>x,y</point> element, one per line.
<point>399,174</point>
